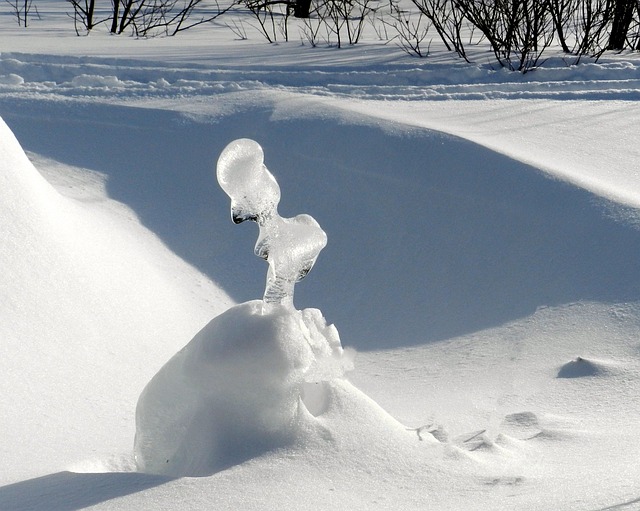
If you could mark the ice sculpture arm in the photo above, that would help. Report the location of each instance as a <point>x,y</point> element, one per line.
<point>290,245</point>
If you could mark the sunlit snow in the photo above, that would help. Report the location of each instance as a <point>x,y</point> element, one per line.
<point>251,379</point>
<point>483,260</point>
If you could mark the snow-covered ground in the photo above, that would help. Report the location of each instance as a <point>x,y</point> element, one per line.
<point>483,239</point>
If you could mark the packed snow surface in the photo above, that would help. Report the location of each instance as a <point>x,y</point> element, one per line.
<point>236,390</point>
<point>483,260</point>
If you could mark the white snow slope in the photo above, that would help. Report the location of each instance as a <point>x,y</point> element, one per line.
<point>483,250</point>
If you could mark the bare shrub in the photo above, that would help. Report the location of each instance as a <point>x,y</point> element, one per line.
<point>22,11</point>
<point>144,18</point>
<point>83,15</point>
<point>448,20</point>
<point>411,30</point>
<point>344,18</point>
<point>518,30</point>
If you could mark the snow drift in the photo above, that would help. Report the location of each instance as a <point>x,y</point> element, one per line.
<point>431,236</point>
<point>80,280</point>
<point>235,391</point>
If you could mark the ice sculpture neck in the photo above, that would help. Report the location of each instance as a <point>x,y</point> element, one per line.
<point>290,245</point>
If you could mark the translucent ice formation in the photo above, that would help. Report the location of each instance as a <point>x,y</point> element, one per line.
<point>290,245</point>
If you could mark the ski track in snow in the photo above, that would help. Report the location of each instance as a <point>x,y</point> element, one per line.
<point>25,74</point>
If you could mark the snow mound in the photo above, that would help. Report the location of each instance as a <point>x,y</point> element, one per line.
<point>582,367</point>
<point>11,79</point>
<point>84,304</point>
<point>236,390</point>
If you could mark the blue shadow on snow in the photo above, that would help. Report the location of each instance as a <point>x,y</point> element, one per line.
<point>430,236</point>
<point>69,491</point>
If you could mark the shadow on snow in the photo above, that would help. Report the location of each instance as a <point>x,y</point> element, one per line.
<point>69,491</point>
<point>430,236</point>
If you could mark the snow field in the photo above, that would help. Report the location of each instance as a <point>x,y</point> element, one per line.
<point>486,271</point>
<point>497,432</point>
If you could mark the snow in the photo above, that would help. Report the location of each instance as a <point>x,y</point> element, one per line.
<point>482,258</point>
<point>236,391</point>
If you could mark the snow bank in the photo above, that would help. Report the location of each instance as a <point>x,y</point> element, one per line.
<point>92,304</point>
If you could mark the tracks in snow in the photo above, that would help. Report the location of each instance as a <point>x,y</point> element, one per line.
<point>27,74</point>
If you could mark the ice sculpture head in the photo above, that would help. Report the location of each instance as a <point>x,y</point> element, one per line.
<point>254,192</point>
<point>290,245</point>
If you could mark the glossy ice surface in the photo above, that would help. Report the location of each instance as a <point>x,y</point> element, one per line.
<point>290,245</point>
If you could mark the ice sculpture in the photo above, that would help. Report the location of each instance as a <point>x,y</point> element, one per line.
<point>290,245</point>
<point>255,377</point>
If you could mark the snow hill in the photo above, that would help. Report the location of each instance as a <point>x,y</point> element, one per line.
<point>481,258</point>
<point>82,284</point>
